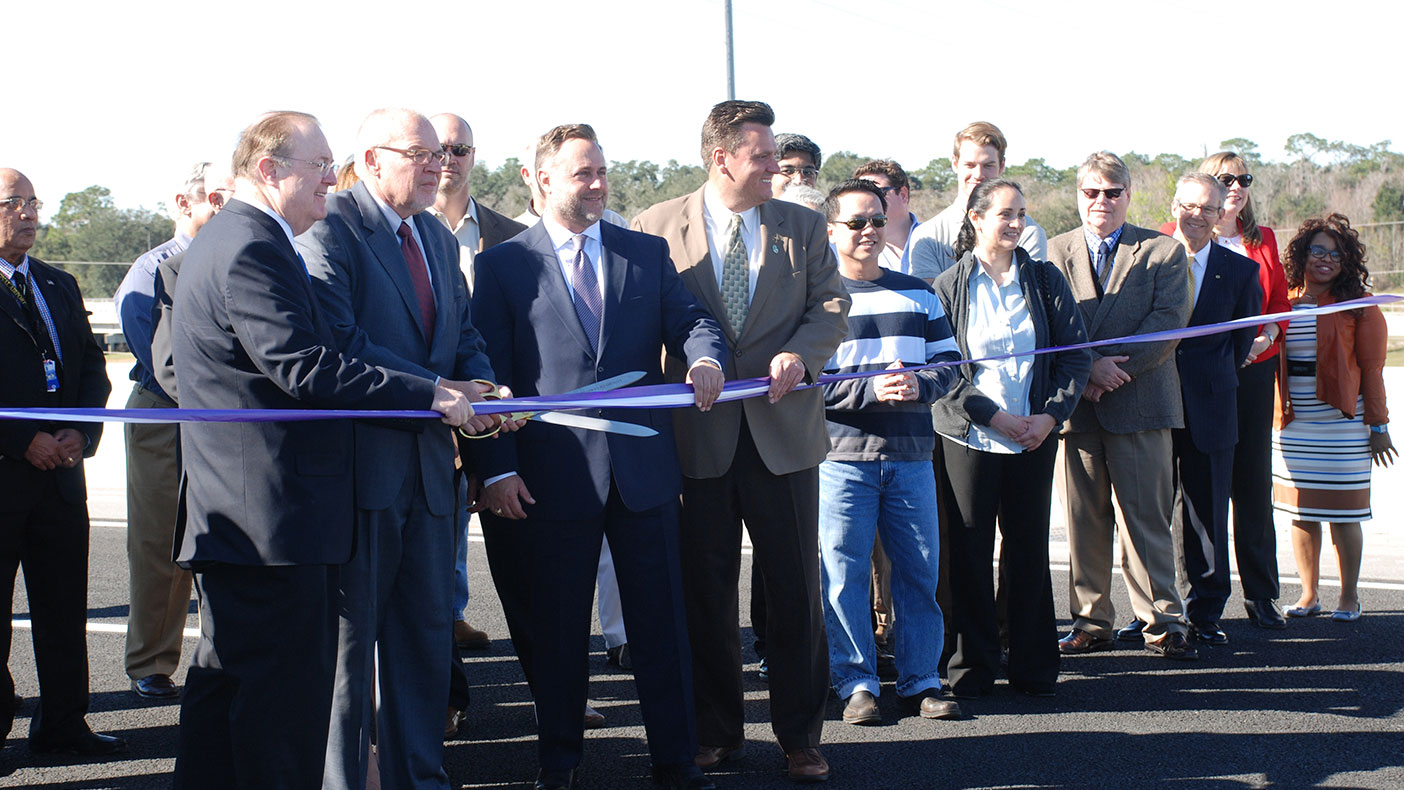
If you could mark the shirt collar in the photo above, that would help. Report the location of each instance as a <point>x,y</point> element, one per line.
<point>9,269</point>
<point>1094,241</point>
<point>1201,258</point>
<point>471,214</point>
<point>266,209</point>
<point>392,217</point>
<point>720,215</point>
<point>561,236</point>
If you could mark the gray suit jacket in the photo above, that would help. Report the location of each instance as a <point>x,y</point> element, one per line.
<point>363,285</point>
<point>1147,291</point>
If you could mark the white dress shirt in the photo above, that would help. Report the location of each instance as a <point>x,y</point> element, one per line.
<point>1199,263</point>
<point>718,218</point>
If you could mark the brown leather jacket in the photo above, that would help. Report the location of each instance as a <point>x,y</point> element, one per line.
<point>1350,356</point>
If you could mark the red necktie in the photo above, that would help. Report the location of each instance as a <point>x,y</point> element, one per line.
<point>419,274</point>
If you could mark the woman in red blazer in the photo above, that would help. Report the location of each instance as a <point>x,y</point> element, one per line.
<point>1254,538</point>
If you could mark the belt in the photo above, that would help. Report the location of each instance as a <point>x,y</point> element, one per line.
<point>1301,368</point>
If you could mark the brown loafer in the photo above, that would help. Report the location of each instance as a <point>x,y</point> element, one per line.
<point>1174,647</point>
<point>1079,641</point>
<point>709,757</point>
<point>470,638</point>
<point>929,705</point>
<point>861,708</point>
<point>806,765</point>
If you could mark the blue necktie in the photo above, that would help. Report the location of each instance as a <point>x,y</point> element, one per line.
<point>588,305</point>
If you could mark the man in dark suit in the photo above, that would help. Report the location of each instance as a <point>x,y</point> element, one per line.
<point>570,302</point>
<point>386,274</point>
<point>50,359</point>
<point>1224,286</point>
<point>267,507</point>
<point>766,267</point>
<point>1117,447</point>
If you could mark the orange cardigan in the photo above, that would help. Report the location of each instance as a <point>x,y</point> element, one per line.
<point>1350,356</point>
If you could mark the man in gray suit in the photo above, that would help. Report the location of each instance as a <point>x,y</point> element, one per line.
<point>386,273</point>
<point>1128,281</point>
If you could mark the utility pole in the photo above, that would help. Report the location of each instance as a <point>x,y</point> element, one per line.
<point>730,55</point>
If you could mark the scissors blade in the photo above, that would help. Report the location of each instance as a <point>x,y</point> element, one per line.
<point>594,423</point>
<point>611,383</point>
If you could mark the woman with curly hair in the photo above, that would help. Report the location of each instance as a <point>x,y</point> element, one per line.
<point>1331,418</point>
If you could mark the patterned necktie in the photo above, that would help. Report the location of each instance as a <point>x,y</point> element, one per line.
<point>1103,263</point>
<point>735,284</point>
<point>588,305</point>
<point>419,275</point>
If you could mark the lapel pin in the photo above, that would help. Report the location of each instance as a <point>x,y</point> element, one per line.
<point>775,246</point>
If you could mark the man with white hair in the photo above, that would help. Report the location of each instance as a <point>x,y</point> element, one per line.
<point>387,275</point>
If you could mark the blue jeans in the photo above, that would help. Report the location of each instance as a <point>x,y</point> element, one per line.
<point>896,499</point>
<point>460,550</point>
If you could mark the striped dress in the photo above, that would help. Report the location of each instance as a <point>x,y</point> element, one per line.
<point>1320,460</point>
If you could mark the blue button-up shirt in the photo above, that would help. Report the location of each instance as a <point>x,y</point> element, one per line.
<point>136,309</point>
<point>8,269</point>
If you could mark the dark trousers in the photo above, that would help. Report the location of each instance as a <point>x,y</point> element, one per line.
<point>50,540</point>
<point>1202,482</point>
<point>258,695</point>
<point>554,611</point>
<point>782,516</point>
<point>1254,536</point>
<point>509,561</point>
<point>1017,491</point>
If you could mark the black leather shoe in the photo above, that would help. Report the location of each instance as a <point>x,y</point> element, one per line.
<point>1209,633</point>
<point>681,777</point>
<point>1265,614</point>
<point>861,708</point>
<point>886,665</point>
<point>1174,647</point>
<point>156,686</point>
<point>1041,689</point>
<point>709,757</point>
<point>1131,632</point>
<point>764,672</point>
<point>555,780</point>
<point>619,656</point>
<point>89,744</point>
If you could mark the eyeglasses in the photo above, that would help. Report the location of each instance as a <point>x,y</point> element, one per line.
<point>1112,194</point>
<point>16,203</point>
<point>1195,208</point>
<point>789,171</point>
<point>885,190</point>
<point>419,156</point>
<point>1227,180</point>
<point>322,167</point>
<point>858,223</point>
<point>457,149</point>
<point>1321,253</point>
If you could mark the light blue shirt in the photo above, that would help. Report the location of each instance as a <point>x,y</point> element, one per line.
<point>8,269</point>
<point>393,219</point>
<point>1000,323</point>
<point>563,242</point>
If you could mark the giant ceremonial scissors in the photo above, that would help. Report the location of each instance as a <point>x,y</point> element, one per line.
<point>573,420</point>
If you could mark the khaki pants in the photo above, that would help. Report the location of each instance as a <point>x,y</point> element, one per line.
<point>160,589</point>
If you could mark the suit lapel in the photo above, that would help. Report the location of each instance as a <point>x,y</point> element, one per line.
<point>553,283</point>
<point>1080,280</point>
<point>775,263</point>
<point>1126,249</point>
<point>384,244</point>
<point>700,273</point>
<point>10,305</point>
<point>615,265</point>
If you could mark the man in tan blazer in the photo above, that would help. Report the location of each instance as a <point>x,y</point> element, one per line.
<point>1128,281</point>
<point>764,268</point>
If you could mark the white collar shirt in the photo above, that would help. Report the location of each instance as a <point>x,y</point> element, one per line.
<point>393,219</point>
<point>563,242</point>
<point>718,219</point>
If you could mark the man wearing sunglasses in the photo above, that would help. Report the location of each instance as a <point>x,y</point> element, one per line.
<point>1127,281</point>
<point>387,274</point>
<point>160,589</point>
<point>476,226</point>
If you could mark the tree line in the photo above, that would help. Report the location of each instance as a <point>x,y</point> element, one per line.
<point>1365,182</point>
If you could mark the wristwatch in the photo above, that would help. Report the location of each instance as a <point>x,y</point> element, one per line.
<point>1384,428</point>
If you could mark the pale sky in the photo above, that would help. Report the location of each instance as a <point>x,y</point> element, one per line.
<point>129,95</point>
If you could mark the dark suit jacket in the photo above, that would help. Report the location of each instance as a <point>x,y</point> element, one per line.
<point>83,384</point>
<point>525,312</point>
<point>1209,365</point>
<point>162,363</point>
<point>495,228</point>
<point>1147,291</point>
<point>363,284</point>
<point>247,334</point>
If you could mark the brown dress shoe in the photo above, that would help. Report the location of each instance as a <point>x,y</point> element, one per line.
<point>709,757</point>
<point>1079,641</point>
<point>861,708</point>
<point>929,705</point>
<point>468,637</point>
<point>593,718</point>
<point>1174,647</point>
<point>807,765</point>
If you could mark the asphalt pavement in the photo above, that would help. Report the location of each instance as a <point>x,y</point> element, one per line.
<point>1316,705</point>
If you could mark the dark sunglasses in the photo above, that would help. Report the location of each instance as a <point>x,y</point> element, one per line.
<point>1227,180</point>
<point>457,149</point>
<point>1112,194</point>
<point>858,223</point>
<point>1322,253</point>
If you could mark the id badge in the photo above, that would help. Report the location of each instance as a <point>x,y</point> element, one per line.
<point>51,375</point>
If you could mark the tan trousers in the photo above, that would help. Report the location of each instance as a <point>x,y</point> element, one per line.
<point>1132,473</point>
<point>160,589</point>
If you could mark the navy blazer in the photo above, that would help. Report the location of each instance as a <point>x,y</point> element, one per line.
<point>363,285</point>
<point>1209,365</point>
<point>537,346</point>
<point>83,383</point>
<point>246,333</point>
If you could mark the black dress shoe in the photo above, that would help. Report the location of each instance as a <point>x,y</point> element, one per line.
<point>156,686</point>
<point>619,656</point>
<point>1265,614</point>
<point>1131,632</point>
<point>1040,689</point>
<point>1209,633</point>
<point>555,780</point>
<point>1174,647</point>
<point>681,777</point>
<point>89,744</point>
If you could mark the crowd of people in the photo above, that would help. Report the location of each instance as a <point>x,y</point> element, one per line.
<point>329,557</point>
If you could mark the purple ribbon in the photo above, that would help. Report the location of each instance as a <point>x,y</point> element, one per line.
<point>645,397</point>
